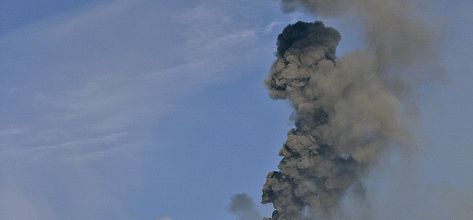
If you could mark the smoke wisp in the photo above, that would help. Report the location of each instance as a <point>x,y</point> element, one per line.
<point>243,207</point>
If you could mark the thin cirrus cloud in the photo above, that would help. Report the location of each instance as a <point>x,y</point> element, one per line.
<point>81,92</point>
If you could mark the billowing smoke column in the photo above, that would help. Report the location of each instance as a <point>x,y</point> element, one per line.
<point>344,115</point>
<point>347,110</point>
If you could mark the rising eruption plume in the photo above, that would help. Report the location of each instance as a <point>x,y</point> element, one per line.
<point>347,110</point>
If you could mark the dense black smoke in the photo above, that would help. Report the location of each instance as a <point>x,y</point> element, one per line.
<point>392,30</point>
<point>347,111</point>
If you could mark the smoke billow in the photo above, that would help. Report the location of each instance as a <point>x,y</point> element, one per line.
<point>243,207</point>
<point>392,30</point>
<point>347,110</point>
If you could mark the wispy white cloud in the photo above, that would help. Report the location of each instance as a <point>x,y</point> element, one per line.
<point>271,26</point>
<point>83,91</point>
<point>120,87</point>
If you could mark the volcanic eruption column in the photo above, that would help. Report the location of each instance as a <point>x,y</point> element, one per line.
<point>346,110</point>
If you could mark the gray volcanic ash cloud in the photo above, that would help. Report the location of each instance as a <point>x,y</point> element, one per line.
<point>347,110</point>
<point>344,116</point>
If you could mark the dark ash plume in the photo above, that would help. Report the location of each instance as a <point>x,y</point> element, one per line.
<point>347,111</point>
<point>344,116</point>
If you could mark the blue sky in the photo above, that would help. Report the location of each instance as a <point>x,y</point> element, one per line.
<point>147,109</point>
